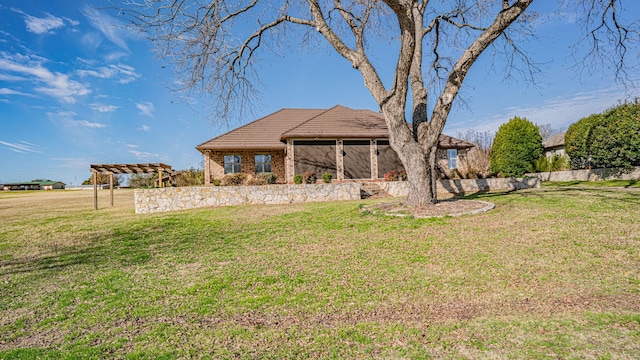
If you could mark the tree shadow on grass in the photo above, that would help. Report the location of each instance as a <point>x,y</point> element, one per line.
<point>602,193</point>
<point>71,256</point>
<point>121,247</point>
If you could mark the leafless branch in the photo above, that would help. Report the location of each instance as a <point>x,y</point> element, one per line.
<point>610,39</point>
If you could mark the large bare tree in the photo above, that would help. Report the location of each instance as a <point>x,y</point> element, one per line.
<point>215,45</point>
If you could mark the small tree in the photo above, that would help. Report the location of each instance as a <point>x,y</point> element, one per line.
<point>191,177</point>
<point>478,161</point>
<point>517,146</point>
<point>546,131</point>
<point>142,180</point>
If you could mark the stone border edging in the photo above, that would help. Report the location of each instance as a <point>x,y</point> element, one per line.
<point>487,206</point>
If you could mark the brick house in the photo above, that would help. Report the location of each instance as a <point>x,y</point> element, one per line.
<point>350,144</point>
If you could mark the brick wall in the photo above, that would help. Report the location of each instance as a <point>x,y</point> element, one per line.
<point>443,164</point>
<point>216,167</point>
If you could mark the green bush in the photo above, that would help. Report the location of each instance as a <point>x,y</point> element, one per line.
<point>560,163</point>
<point>216,182</point>
<point>516,147</point>
<point>610,139</point>
<point>190,177</point>
<point>543,164</point>
<point>326,178</point>
<point>555,163</point>
<point>577,141</point>
<point>297,179</point>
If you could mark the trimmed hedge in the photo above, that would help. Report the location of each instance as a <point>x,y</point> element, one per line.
<point>516,147</point>
<point>607,140</point>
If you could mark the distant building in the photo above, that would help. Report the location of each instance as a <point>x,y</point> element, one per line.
<point>554,145</point>
<point>35,185</point>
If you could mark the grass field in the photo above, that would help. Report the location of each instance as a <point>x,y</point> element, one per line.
<point>549,273</point>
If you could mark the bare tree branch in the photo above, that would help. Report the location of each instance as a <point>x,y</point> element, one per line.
<point>215,45</point>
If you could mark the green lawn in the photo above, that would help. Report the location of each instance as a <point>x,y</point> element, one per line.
<point>550,273</point>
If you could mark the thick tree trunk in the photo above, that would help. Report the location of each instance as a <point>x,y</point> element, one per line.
<point>422,187</point>
<point>418,159</point>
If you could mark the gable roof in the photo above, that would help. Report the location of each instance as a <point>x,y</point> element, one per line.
<point>555,140</point>
<point>270,132</point>
<point>341,122</point>
<point>263,133</point>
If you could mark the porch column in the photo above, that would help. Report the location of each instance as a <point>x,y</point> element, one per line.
<point>95,190</point>
<point>207,167</point>
<point>374,159</point>
<point>289,168</point>
<point>339,160</point>
<point>111,187</point>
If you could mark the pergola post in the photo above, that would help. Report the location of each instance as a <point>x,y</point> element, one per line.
<point>111,187</point>
<point>95,190</point>
<point>112,169</point>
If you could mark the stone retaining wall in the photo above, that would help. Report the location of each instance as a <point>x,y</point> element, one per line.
<point>449,188</point>
<point>589,175</point>
<point>180,198</point>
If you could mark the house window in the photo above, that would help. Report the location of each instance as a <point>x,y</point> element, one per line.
<point>263,163</point>
<point>452,156</point>
<point>232,164</point>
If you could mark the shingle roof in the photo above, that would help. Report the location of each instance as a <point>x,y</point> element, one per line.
<point>263,133</point>
<point>448,142</point>
<point>555,140</point>
<point>269,132</point>
<point>342,122</point>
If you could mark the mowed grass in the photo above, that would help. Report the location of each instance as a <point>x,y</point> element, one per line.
<point>551,273</point>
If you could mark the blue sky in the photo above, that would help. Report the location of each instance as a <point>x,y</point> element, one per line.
<point>76,90</point>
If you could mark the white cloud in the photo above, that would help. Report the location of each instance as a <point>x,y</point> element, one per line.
<point>132,146</point>
<point>124,74</point>
<point>146,108</point>
<point>23,147</point>
<point>43,25</point>
<point>103,108</point>
<point>107,26</point>
<point>54,84</point>
<point>67,120</point>
<point>559,112</point>
<point>72,22</point>
<point>115,56</point>
<point>144,128</point>
<point>91,40</point>
<point>6,91</point>
<point>144,156</point>
<point>86,123</point>
<point>7,77</point>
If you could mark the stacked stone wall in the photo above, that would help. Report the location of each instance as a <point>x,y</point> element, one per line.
<point>171,199</point>
<point>450,188</point>
<point>589,175</point>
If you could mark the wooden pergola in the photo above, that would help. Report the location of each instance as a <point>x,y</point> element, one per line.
<point>110,169</point>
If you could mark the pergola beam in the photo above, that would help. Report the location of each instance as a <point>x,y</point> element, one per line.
<point>110,169</point>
